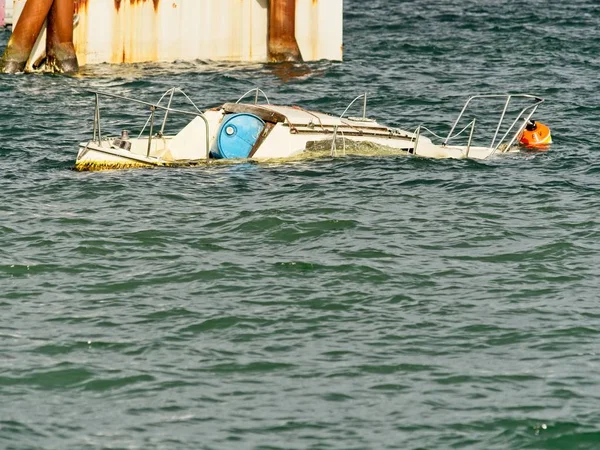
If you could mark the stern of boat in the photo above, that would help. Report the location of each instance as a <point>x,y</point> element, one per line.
<point>153,146</point>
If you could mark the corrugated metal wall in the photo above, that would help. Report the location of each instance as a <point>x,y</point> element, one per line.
<point>165,30</point>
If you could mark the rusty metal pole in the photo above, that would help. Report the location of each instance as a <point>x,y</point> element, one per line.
<point>60,52</point>
<point>24,35</point>
<point>282,44</point>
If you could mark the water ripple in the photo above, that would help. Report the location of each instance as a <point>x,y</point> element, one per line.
<point>336,304</point>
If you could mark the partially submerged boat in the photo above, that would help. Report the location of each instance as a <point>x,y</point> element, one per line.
<point>263,132</point>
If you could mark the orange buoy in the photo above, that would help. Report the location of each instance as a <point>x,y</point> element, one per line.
<point>535,135</point>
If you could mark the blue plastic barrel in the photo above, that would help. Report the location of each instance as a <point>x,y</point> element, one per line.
<point>238,134</point>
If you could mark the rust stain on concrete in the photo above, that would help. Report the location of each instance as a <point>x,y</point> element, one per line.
<point>134,2</point>
<point>145,30</point>
<point>133,19</point>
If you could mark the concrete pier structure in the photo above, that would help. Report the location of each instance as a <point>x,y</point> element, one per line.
<point>130,31</point>
<point>124,31</point>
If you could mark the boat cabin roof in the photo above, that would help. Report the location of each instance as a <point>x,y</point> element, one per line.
<point>297,116</point>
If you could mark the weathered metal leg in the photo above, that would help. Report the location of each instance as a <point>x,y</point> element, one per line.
<point>24,35</point>
<point>282,31</point>
<point>60,52</point>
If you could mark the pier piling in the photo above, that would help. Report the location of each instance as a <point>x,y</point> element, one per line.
<point>24,35</point>
<point>60,52</point>
<point>282,44</point>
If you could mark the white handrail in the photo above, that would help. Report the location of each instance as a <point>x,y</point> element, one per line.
<point>495,145</point>
<point>352,103</point>
<point>153,108</point>
<point>256,90</point>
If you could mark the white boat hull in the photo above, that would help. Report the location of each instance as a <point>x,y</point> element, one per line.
<point>265,132</point>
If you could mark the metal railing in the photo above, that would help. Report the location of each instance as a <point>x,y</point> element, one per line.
<point>524,116</point>
<point>256,91</point>
<point>334,143</point>
<point>421,128</point>
<point>97,135</point>
<point>363,96</point>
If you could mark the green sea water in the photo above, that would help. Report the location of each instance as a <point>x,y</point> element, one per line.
<point>348,303</point>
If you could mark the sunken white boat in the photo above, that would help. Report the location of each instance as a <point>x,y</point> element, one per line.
<point>263,131</point>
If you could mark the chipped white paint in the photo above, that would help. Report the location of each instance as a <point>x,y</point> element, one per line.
<point>319,29</point>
